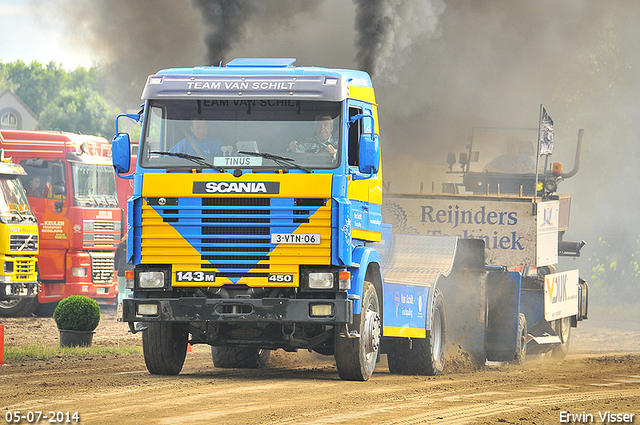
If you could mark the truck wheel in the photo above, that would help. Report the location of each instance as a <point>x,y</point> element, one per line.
<point>426,356</point>
<point>356,357</point>
<point>521,352</point>
<point>240,357</point>
<point>165,347</point>
<point>563,330</point>
<point>18,307</point>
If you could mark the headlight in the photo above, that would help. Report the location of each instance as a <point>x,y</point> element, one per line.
<point>321,310</point>
<point>151,279</point>
<point>147,310</point>
<point>321,280</point>
<point>8,266</point>
<point>78,271</point>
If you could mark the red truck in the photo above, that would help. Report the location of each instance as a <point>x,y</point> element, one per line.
<point>71,188</point>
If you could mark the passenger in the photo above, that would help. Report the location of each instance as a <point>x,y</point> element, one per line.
<point>34,187</point>
<point>322,141</point>
<point>199,142</point>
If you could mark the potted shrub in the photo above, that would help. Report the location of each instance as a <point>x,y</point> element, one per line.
<point>77,317</point>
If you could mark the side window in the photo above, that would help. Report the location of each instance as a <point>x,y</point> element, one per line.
<point>355,130</point>
<point>38,181</point>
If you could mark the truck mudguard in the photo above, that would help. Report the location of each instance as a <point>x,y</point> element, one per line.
<point>364,257</point>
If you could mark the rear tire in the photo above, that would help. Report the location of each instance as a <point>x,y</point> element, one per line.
<point>240,357</point>
<point>356,357</point>
<point>426,355</point>
<point>20,307</point>
<point>164,346</point>
<point>563,330</point>
<point>521,352</point>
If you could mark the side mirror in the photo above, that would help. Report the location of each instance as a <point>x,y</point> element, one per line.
<point>121,153</point>
<point>369,153</point>
<point>59,189</point>
<point>57,173</point>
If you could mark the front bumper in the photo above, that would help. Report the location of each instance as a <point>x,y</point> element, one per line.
<point>278,310</point>
<point>9,291</point>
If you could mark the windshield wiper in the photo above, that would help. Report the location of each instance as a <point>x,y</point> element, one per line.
<point>104,200</point>
<point>280,160</point>
<point>193,158</point>
<point>95,201</point>
<point>22,218</point>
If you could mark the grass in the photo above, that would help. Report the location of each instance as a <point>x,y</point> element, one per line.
<point>40,351</point>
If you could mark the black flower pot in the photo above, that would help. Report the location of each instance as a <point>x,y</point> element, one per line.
<point>70,338</point>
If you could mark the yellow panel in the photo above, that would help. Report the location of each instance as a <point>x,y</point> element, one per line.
<point>162,231</point>
<point>319,222</point>
<point>366,235</point>
<point>291,185</point>
<point>366,94</point>
<point>162,244</point>
<point>404,332</point>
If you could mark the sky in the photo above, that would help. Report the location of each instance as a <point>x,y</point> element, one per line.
<point>26,36</point>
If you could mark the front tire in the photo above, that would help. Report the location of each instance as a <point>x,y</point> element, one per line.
<point>240,357</point>
<point>356,357</point>
<point>19,307</point>
<point>164,346</point>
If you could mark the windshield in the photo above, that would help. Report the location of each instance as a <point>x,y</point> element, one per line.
<point>504,150</point>
<point>178,132</point>
<point>93,185</point>
<point>14,206</point>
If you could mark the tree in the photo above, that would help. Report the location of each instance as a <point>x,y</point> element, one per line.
<point>78,111</point>
<point>47,89</point>
<point>35,84</point>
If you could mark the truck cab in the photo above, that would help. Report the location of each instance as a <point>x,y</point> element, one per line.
<point>252,236</point>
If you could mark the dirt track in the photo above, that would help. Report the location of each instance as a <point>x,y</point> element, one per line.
<point>602,375</point>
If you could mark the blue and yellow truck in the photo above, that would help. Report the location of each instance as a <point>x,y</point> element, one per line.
<point>256,224</point>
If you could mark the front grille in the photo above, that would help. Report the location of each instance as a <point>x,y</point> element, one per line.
<point>23,243</point>
<point>102,268</point>
<point>233,235</point>
<point>100,233</point>
<point>104,226</point>
<point>24,269</point>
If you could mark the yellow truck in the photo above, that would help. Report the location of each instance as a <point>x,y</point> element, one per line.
<point>18,243</point>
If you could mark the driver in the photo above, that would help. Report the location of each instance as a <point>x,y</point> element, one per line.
<point>199,142</point>
<point>517,159</point>
<point>322,141</point>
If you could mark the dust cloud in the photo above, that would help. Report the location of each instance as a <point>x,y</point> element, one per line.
<point>440,68</point>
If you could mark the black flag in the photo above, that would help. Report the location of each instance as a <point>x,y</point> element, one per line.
<point>546,133</point>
